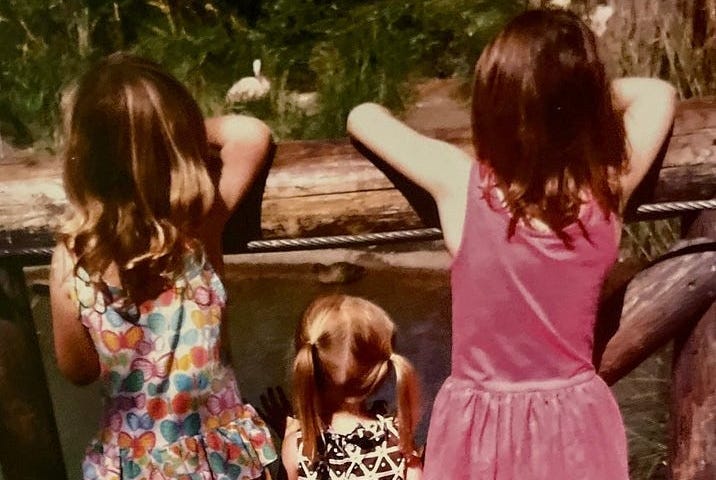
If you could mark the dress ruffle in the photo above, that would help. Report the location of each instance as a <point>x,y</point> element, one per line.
<point>237,450</point>
<point>558,432</point>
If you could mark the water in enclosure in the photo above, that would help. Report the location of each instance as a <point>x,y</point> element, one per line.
<point>268,293</point>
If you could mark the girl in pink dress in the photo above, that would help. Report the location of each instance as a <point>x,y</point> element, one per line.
<point>136,298</point>
<point>532,223</point>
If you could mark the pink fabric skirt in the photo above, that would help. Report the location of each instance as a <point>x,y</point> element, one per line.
<point>556,430</point>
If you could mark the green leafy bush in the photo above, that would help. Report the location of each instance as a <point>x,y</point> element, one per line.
<point>347,51</point>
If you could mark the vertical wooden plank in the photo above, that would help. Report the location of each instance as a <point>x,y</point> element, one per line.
<point>693,390</point>
<point>29,443</point>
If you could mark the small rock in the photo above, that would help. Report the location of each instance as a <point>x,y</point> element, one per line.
<point>338,273</point>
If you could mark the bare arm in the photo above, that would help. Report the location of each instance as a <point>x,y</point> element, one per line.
<point>289,454</point>
<point>414,473</point>
<point>439,167</point>
<point>648,105</point>
<point>434,165</point>
<point>244,143</point>
<point>75,352</point>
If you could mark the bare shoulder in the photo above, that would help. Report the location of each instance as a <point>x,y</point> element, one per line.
<point>431,163</point>
<point>238,128</point>
<point>414,472</point>
<point>460,164</point>
<point>649,105</point>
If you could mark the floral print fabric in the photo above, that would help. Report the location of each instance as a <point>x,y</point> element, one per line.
<point>172,405</point>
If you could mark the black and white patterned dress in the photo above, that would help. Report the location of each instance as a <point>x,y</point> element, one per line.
<point>369,452</point>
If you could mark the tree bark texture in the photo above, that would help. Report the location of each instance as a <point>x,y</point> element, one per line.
<point>330,188</point>
<point>29,443</point>
<point>661,301</point>
<point>693,389</point>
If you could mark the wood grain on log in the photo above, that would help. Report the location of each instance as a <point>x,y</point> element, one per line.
<point>692,449</point>
<point>659,302</point>
<point>329,188</point>
<point>693,404</point>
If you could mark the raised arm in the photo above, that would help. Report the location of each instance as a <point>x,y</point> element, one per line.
<point>434,165</point>
<point>440,168</point>
<point>648,105</point>
<point>244,144</point>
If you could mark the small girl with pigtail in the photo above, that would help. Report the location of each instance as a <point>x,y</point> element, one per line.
<point>344,351</point>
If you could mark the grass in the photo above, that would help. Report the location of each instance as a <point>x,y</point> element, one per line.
<point>347,51</point>
<point>664,38</point>
<point>649,240</point>
<point>643,397</point>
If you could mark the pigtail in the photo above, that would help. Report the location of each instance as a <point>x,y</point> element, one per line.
<point>307,401</point>
<point>407,400</point>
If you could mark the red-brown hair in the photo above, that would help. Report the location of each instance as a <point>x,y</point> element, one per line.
<point>344,347</point>
<point>543,120</point>
<point>134,173</point>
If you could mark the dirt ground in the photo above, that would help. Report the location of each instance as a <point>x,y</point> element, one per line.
<point>439,103</point>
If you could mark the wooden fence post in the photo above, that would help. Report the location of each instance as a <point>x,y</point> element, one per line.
<point>29,443</point>
<point>693,390</point>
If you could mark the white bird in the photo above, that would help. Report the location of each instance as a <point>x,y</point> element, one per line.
<point>250,88</point>
<point>599,17</point>
<point>560,3</point>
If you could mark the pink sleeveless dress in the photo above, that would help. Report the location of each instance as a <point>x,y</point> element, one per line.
<point>523,400</point>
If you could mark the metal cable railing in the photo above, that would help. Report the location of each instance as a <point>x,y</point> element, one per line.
<point>337,241</point>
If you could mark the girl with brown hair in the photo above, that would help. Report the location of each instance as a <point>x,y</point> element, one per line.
<point>344,352</point>
<point>135,296</point>
<point>532,223</point>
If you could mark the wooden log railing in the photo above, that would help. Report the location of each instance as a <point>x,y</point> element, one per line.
<point>331,188</point>
<point>693,387</point>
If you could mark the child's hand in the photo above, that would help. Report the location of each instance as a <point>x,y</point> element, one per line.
<point>292,425</point>
<point>276,409</point>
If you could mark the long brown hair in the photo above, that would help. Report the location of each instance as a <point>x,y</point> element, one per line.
<point>134,173</point>
<point>344,347</point>
<point>543,120</point>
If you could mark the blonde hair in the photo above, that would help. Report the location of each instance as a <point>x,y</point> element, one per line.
<point>344,347</point>
<point>134,173</point>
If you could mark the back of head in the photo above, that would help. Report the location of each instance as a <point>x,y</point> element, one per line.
<point>134,170</point>
<point>344,348</point>
<point>543,119</point>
